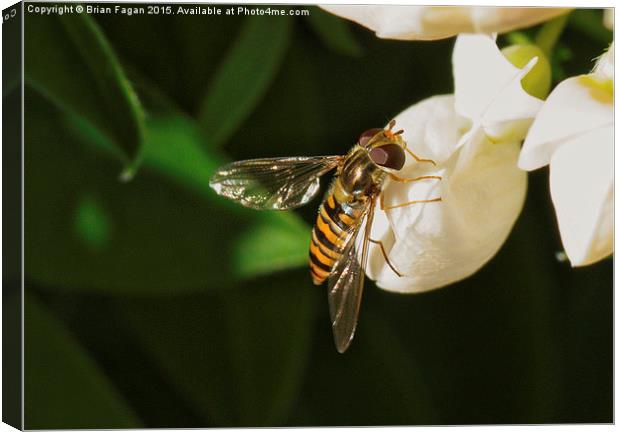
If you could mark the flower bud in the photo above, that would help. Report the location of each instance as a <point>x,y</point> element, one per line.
<point>538,80</point>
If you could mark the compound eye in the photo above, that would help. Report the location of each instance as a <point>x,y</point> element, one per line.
<point>390,156</point>
<point>366,136</point>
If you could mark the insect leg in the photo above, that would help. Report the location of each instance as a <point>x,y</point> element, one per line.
<point>415,156</point>
<point>409,180</point>
<point>387,260</point>
<point>411,203</point>
<point>384,207</point>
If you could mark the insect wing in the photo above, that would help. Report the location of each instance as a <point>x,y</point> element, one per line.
<point>346,284</point>
<point>272,183</point>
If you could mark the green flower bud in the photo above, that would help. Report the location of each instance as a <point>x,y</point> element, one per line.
<point>537,82</point>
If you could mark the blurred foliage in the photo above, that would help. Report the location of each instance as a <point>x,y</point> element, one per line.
<point>246,367</point>
<point>155,303</point>
<point>244,75</point>
<point>167,212</point>
<point>64,386</point>
<point>335,33</point>
<point>588,23</point>
<point>92,223</point>
<point>76,68</point>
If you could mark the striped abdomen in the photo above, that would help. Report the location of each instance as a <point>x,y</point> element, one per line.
<point>328,237</point>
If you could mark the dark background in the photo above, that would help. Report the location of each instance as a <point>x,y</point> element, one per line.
<point>152,302</point>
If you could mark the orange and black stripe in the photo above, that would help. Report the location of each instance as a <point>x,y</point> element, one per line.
<point>328,235</point>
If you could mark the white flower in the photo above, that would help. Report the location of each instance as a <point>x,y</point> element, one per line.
<point>573,133</point>
<point>474,136</point>
<point>438,22</point>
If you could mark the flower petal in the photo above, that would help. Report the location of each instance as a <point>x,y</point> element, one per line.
<point>505,19</point>
<point>437,22</point>
<point>390,22</point>
<point>406,22</point>
<point>582,188</point>
<point>577,105</point>
<point>482,193</point>
<point>488,88</point>
<point>604,67</point>
<point>425,130</point>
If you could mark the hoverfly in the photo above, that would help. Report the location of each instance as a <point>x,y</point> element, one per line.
<point>290,182</point>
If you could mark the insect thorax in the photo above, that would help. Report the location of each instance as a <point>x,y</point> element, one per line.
<point>359,176</point>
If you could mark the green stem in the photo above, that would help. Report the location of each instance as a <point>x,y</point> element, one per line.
<point>549,33</point>
<point>518,38</point>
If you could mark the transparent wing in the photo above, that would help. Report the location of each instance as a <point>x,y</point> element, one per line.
<point>272,183</point>
<point>346,284</point>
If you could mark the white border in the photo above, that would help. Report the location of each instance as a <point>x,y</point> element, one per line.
<point>553,3</point>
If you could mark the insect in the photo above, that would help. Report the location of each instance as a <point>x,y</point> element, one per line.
<point>335,255</point>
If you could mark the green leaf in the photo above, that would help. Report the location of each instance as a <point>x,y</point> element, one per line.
<point>177,149</point>
<point>284,126</point>
<point>64,387</point>
<point>164,233</point>
<point>178,54</point>
<point>244,75</point>
<point>334,32</point>
<point>239,356</point>
<point>68,59</point>
<point>270,245</point>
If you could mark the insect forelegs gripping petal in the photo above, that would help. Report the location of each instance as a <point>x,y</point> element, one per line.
<point>387,260</point>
